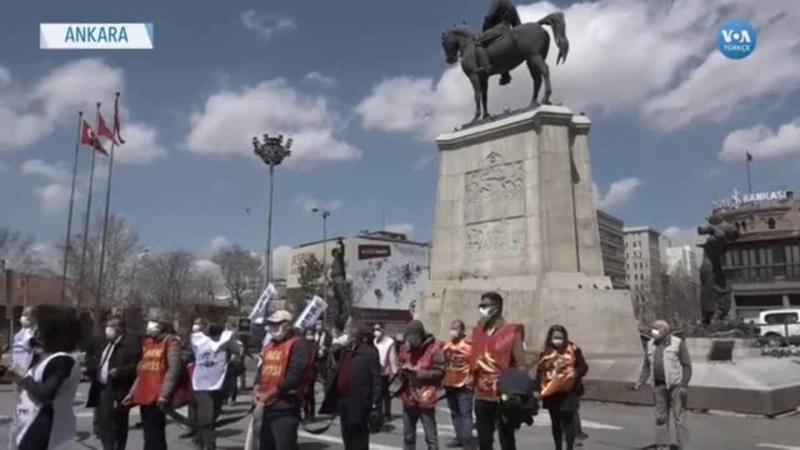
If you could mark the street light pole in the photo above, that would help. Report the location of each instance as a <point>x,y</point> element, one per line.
<point>272,152</point>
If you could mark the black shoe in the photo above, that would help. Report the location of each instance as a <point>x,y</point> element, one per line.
<point>455,443</point>
<point>505,79</point>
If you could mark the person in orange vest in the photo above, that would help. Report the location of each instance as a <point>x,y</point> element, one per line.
<point>559,384</point>
<point>496,346</point>
<point>422,362</point>
<point>281,383</point>
<point>157,376</point>
<point>457,383</point>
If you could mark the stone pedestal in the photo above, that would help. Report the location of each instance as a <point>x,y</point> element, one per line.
<point>515,214</point>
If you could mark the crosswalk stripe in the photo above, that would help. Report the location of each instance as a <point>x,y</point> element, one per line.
<point>777,446</point>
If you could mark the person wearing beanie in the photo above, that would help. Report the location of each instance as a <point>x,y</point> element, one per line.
<point>422,362</point>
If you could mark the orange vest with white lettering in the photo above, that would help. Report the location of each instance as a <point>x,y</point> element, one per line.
<point>456,368</point>
<point>424,396</point>
<point>151,370</point>
<point>491,355</point>
<point>275,361</point>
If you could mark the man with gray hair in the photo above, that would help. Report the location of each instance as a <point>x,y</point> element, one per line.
<point>668,367</point>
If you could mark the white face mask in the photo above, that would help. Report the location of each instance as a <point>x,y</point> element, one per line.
<point>195,328</point>
<point>557,342</point>
<point>455,334</point>
<point>378,334</point>
<point>25,321</point>
<point>655,333</point>
<point>111,333</point>
<point>486,311</point>
<point>152,328</point>
<point>274,330</point>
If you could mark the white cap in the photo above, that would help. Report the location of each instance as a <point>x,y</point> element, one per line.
<point>279,316</point>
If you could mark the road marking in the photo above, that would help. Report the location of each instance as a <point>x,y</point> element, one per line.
<point>335,440</point>
<point>777,446</point>
<point>543,420</point>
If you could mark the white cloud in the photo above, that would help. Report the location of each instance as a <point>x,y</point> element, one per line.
<point>218,243</point>
<point>307,203</point>
<point>266,26</point>
<point>320,78</point>
<point>655,58</point>
<point>402,227</point>
<point>50,256</point>
<point>762,142</point>
<point>206,266</point>
<point>676,236</point>
<point>280,261</point>
<point>229,120</point>
<point>424,161</point>
<point>54,183</point>
<point>31,113</point>
<point>620,193</point>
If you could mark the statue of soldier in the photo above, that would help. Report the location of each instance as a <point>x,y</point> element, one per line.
<point>502,16</point>
<point>339,281</point>
<point>715,300</point>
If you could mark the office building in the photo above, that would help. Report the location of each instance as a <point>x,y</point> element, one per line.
<point>682,260</point>
<point>612,247</point>
<point>643,263</point>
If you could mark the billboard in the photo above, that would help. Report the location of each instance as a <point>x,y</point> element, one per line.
<point>388,275</point>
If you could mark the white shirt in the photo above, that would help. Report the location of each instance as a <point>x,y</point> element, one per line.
<point>21,349</point>
<point>211,361</point>
<point>102,377</point>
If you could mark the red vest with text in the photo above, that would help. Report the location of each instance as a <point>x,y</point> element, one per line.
<point>275,357</point>
<point>457,373</point>
<point>151,370</point>
<point>423,397</point>
<point>491,355</point>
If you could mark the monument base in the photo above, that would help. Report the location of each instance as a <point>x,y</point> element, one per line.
<point>598,318</point>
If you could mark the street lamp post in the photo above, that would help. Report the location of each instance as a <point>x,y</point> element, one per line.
<point>325,214</point>
<point>272,151</point>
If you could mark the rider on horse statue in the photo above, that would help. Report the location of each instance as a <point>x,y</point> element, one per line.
<point>502,16</point>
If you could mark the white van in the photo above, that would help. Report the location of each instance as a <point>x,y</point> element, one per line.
<point>779,327</point>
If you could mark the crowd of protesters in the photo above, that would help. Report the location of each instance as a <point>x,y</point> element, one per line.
<point>489,384</point>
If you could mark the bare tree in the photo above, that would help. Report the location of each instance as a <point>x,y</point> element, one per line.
<point>205,283</point>
<point>19,251</point>
<point>122,246</point>
<point>167,280</point>
<point>679,305</point>
<point>240,272</point>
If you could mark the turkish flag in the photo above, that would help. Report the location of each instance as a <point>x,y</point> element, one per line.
<point>88,137</point>
<point>103,130</point>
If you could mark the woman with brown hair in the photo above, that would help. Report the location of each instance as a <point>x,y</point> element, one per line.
<point>559,385</point>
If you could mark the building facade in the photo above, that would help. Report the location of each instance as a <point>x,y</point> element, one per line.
<point>763,265</point>
<point>683,260</point>
<point>643,263</point>
<point>612,248</point>
<point>387,271</point>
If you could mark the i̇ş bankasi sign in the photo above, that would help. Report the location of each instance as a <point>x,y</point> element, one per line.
<point>739,199</point>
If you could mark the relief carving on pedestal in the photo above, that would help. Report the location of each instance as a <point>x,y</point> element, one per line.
<point>496,239</point>
<point>494,190</point>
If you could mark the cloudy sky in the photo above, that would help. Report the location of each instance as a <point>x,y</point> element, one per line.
<point>363,88</point>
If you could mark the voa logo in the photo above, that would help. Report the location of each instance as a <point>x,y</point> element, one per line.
<point>736,39</point>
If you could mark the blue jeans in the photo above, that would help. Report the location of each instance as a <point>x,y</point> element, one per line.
<point>428,418</point>
<point>459,400</point>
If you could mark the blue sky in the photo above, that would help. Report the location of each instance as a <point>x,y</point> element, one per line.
<point>363,88</point>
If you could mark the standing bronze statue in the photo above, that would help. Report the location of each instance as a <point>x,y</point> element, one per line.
<point>504,44</point>
<point>715,294</point>
<point>339,285</point>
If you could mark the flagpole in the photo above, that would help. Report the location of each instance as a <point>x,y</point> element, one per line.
<point>71,205</point>
<point>105,219</point>
<point>749,159</point>
<point>87,217</point>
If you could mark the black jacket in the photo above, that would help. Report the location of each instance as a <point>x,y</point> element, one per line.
<point>365,386</point>
<point>124,358</point>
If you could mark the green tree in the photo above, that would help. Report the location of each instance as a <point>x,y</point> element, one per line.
<point>310,272</point>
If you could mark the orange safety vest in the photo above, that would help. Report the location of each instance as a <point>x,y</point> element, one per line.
<point>491,355</point>
<point>151,370</point>
<point>558,370</point>
<point>275,361</point>
<point>456,368</point>
<point>423,397</point>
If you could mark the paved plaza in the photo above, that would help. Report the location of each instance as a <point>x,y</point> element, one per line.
<point>610,427</point>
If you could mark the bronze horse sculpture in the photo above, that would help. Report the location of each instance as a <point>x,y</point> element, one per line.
<point>528,42</point>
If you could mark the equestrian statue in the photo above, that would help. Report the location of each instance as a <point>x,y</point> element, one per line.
<point>504,44</point>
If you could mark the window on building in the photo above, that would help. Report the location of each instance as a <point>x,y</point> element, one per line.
<point>781,318</point>
<point>771,223</point>
<point>744,226</point>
